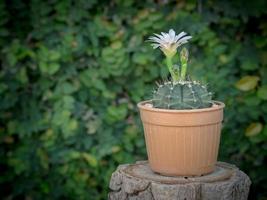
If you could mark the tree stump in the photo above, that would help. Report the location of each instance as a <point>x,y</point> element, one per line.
<point>138,182</point>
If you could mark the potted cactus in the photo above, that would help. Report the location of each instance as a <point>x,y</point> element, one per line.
<point>182,124</point>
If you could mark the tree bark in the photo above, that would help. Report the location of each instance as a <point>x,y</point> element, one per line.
<point>138,182</point>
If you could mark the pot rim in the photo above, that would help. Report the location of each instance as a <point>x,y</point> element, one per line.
<point>141,105</point>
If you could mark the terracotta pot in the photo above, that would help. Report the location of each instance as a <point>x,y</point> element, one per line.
<point>182,142</point>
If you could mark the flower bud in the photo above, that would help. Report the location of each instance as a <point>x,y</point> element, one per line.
<point>184,55</point>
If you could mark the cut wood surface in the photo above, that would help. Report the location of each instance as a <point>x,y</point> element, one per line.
<point>138,182</point>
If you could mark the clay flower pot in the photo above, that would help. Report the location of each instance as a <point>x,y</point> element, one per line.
<point>182,142</point>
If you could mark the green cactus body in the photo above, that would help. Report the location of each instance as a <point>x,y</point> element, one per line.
<point>181,95</point>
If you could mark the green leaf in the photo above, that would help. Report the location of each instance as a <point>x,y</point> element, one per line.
<point>44,160</point>
<point>67,88</point>
<point>90,78</point>
<point>116,113</point>
<point>252,99</point>
<point>49,68</point>
<point>72,155</point>
<point>253,129</point>
<point>99,84</point>
<point>12,127</point>
<point>69,128</point>
<point>140,58</point>
<point>265,131</point>
<point>262,92</point>
<point>249,65</point>
<point>247,83</point>
<point>72,125</point>
<point>68,102</point>
<point>43,67</point>
<point>53,68</point>
<point>54,55</point>
<point>18,165</point>
<point>61,117</point>
<point>22,75</point>
<point>3,87</point>
<point>12,59</point>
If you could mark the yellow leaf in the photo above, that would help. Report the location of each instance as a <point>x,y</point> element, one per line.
<point>115,149</point>
<point>90,159</point>
<point>247,83</point>
<point>253,129</point>
<point>223,58</point>
<point>116,45</point>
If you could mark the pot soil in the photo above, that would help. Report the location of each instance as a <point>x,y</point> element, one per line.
<point>182,142</point>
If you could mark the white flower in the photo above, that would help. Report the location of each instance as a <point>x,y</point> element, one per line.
<point>169,42</point>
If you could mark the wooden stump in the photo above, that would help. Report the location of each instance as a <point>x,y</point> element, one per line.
<point>138,182</point>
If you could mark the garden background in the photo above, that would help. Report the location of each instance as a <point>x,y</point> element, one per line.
<point>72,72</point>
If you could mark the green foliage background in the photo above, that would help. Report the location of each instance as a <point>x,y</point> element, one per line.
<point>72,73</point>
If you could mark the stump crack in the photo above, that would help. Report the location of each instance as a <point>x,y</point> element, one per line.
<point>137,192</point>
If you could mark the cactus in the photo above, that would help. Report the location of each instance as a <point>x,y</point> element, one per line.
<point>181,95</point>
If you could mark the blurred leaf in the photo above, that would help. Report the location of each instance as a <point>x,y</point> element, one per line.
<point>61,117</point>
<point>91,160</point>
<point>247,83</point>
<point>252,100</point>
<point>253,129</point>
<point>249,65</point>
<point>49,68</point>
<point>54,55</point>
<point>3,87</point>
<point>22,75</point>
<point>92,126</point>
<point>43,158</point>
<point>69,127</point>
<point>53,68</point>
<point>140,58</point>
<point>262,92</point>
<point>265,130</point>
<point>66,88</point>
<point>116,113</point>
<point>115,149</point>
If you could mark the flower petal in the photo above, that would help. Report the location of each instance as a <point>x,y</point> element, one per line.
<point>155,39</point>
<point>180,35</point>
<point>155,45</point>
<point>172,34</point>
<point>186,38</point>
<point>158,35</point>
